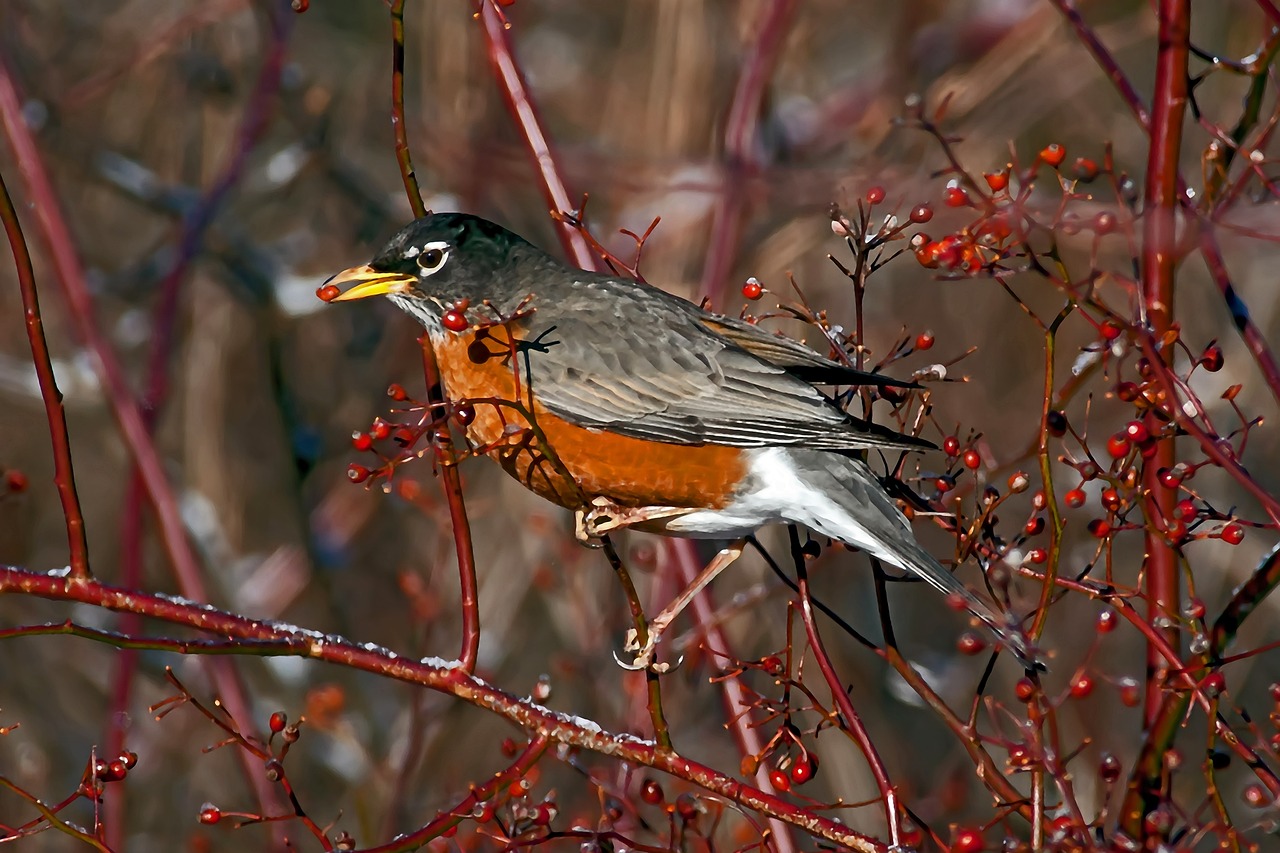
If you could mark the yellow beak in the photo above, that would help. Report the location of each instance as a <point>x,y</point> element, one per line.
<point>370,282</point>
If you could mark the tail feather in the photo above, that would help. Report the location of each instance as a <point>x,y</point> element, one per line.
<point>859,512</point>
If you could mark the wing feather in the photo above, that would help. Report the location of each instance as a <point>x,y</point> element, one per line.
<point>678,379</point>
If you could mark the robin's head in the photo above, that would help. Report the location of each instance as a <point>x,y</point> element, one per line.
<point>435,261</point>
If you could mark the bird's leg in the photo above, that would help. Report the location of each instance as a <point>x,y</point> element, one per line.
<point>660,623</point>
<point>605,516</point>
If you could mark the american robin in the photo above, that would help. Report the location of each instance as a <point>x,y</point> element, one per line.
<point>637,408</point>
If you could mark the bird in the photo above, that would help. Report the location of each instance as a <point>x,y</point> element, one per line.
<point>637,408</point>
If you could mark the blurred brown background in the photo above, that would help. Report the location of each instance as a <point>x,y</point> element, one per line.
<point>137,108</point>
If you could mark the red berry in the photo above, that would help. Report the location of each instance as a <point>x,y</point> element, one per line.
<point>361,441</point>
<point>1136,431</point>
<point>972,459</point>
<point>455,320</point>
<point>779,780</point>
<point>875,195</point>
<point>1130,692</point>
<point>1053,154</point>
<point>1118,445</point>
<point>1104,223</point>
<point>328,292</point>
<point>771,664</point>
<point>381,430</point>
<point>944,484</point>
<point>1037,555</point>
<point>542,815</point>
<point>1211,358</point>
<point>1110,768</point>
<point>1110,500</point>
<point>1169,478</point>
<point>1085,170</point>
<point>752,289</point>
<point>1034,526</point>
<point>129,758</point>
<point>15,481</point>
<point>951,446</point>
<point>968,841</point>
<point>997,180</point>
<point>115,771</point>
<point>1185,509</point>
<point>955,197</point>
<point>803,768</point>
<point>509,747</point>
<point>924,341</point>
<point>1018,482</point>
<point>397,392</point>
<point>1024,689</point>
<point>1082,686</point>
<point>1074,498</point>
<point>1214,684</point>
<point>921,214</point>
<point>687,806</point>
<point>357,473</point>
<point>651,792</point>
<point>971,643</point>
<point>277,722</point>
<point>1056,423</point>
<point>464,414</point>
<point>210,814</point>
<point>1232,534</point>
<point>1099,528</point>
<point>1110,330</point>
<point>1107,621</point>
<point>1038,500</point>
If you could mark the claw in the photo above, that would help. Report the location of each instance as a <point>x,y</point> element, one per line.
<point>605,516</point>
<point>643,655</point>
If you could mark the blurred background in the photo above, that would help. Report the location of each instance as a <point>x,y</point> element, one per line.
<point>142,111</point>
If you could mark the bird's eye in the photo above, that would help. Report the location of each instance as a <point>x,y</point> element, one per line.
<point>433,257</point>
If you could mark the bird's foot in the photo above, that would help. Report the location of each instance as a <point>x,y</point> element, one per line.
<point>605,516</point>
<point>642,654</point>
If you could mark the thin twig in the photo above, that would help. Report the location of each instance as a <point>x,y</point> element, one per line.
<point>63,471</point>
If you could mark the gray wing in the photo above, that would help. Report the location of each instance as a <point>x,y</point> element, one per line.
<point>794,357</point>
<point>670,378</point>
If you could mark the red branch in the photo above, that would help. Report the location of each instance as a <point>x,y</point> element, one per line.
<point>442,676</point>
<point>741,144</point>
<point>1159,260</point>
<point>516,92</point>
<point>63,472</point>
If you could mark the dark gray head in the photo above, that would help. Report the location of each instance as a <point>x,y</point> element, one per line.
<point>435,261</point>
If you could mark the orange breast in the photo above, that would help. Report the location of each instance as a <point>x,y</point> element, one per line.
<point>569,464</point>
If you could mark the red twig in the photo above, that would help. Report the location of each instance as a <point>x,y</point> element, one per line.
<point>1159,260</point>
<point>63,471</point>
<point>741,144</point>
<point>468,587</point>
<point>398,126</point>
<point>852,720</point>
<point>737,709</point>
<point>435,675</point>
<point>450,479</point>
<point>525,114</point>
<point>522,764</point>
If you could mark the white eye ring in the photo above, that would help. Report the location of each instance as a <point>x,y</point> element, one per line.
<point>433,257</point>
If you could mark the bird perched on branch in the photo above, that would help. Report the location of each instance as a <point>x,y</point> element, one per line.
<point>636,408</point>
